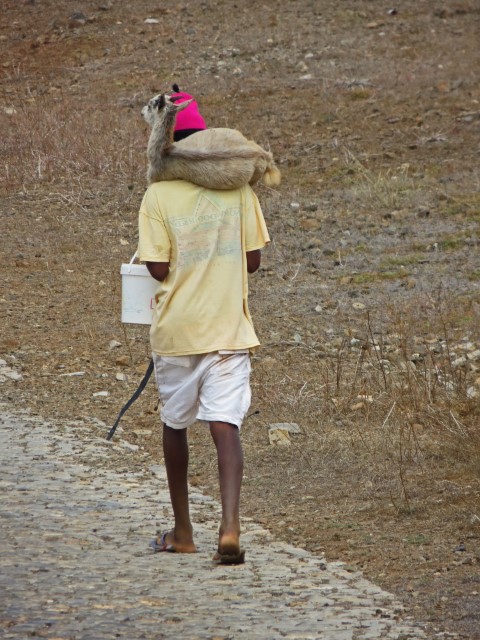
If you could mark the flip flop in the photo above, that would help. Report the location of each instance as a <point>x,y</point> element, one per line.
<point>229,558</point>
<point>162,545</point>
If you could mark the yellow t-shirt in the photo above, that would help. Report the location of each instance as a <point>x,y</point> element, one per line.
<point>201,306</point>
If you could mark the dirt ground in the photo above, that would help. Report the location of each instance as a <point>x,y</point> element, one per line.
<point>367,302</point>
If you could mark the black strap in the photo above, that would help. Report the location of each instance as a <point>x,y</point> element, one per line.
<point>141,387</point>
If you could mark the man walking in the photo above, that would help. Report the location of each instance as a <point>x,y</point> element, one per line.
<point>200,245</point>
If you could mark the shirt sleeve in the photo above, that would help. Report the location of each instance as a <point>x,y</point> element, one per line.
<point>154,243</point>
<point>256,233</point>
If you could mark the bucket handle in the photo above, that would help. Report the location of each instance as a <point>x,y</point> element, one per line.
<point>133,258</point>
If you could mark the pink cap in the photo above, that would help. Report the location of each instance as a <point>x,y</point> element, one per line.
<point>190,117</point>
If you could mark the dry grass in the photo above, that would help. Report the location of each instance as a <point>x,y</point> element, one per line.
<point>53,141</point>
<point>389,189</point>
<point>395,397</point>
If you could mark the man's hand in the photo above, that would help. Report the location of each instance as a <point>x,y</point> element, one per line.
<point>159,270</point>
<point>253,260</point>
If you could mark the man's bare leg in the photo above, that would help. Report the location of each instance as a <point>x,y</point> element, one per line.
<point>175,452</point>
<point>230,470</point>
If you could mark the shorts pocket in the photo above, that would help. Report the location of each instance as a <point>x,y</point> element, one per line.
<point>176,361</point>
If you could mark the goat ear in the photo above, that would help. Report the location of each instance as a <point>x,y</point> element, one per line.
<point>159,102</point>
<point>175,88</point>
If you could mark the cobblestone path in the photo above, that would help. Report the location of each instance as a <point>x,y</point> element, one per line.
<point>77,514</point>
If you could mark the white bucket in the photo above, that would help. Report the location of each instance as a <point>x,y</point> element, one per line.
<point>138,293</point>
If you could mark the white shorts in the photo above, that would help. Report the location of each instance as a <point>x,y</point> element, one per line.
<point>210,387</point>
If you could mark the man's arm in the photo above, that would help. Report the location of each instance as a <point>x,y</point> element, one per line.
<point>159,270</point>
<point>253,260</point>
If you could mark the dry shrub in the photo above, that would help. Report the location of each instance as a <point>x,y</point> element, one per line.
<point>395,403</point>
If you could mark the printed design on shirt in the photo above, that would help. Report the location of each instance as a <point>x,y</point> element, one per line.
<point>212,231</point>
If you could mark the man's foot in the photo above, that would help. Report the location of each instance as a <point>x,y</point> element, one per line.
<point>169,541</point>
<point>228,551</point>
<point>227,558</point>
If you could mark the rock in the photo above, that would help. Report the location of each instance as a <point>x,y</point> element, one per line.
<point>357,406</point>
<point>7,373</point>
<point>310,225</point>
<point>127,445</point>
<point>73,374</point>
<point>123,361</point>
<point>114,344</point>
<point>98,422</point>
<point>279,433</point>
<point>100,394</point>
<point>141,369</point>
<point>295,206</point>
<point>279,438</point>
<point>76,20</point>
<point>151,21</point>
<point>122,377</point>
<point>142,432</point>
<point>291,427</point>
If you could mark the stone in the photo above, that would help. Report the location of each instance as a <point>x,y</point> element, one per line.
<point>310,224</point>
<point>7,373</point>
<point>73,374</point>
<point>279,437</point>
<point>291,427</point>
<point>76,20</point>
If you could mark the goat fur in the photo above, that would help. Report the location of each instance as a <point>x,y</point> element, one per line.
<point>218,158</point>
